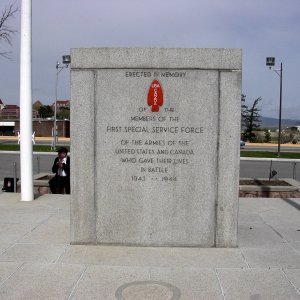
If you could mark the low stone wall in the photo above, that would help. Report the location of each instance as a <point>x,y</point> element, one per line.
<point>41,190</point>
<point>257,194</point>
<point>40,184</point>
<point>290,190</point>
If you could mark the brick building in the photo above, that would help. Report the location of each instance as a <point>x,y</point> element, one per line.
<point>61,104</point>
<point>41,127</point>
<point>10,111</point>
<point>44,127</point>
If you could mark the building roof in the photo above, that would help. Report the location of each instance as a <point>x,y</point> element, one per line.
<point>11,106</point>
<point>63,102</point>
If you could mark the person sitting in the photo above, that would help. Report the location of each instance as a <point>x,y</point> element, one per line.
<point>60,183</point>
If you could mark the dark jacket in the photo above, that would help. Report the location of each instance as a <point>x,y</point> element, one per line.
<point>66,167</point>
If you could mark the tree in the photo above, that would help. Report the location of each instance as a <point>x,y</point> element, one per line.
<point>37,104</point>
<point>267,138</point>
<point>45,111</point>
<point>244,109</point>
<point>63,113</point>
<point>252,120</point>
<point>6,32</point>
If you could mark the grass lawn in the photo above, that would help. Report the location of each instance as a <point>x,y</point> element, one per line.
<point>259,154</point>
<point>267,154</point>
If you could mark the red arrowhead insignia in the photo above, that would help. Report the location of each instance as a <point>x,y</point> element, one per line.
<point>155,96</point>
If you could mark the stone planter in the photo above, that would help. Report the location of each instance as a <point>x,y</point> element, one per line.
<point>40,183</point>
<point>289,189</point>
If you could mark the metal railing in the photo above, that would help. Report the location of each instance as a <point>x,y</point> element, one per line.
<point>293,162</point>
<point>15,173</point>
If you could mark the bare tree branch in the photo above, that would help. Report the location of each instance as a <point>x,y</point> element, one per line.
<point>6,54</point>
<point>6,32</point>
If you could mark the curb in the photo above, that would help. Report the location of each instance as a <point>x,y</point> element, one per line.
<point>34,153</point>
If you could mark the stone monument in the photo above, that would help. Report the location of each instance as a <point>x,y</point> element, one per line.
<point>155,146</point>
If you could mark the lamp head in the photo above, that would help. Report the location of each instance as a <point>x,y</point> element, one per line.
<point>270,62</point>
<point>66,59</point>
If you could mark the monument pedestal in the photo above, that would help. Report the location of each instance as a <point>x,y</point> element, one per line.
<point>155,146</point>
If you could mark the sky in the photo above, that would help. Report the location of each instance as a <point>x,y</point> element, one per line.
<point>261,28</point>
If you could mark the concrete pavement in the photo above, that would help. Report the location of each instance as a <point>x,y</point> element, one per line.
<point>37,261</point>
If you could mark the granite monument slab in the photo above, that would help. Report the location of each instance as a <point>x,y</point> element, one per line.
<point>155,146</point>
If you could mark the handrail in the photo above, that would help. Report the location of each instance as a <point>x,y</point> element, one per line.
<point>273,159</point>
<point>286,160</point>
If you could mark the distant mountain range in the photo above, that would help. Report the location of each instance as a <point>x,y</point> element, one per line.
<point>267,122</point>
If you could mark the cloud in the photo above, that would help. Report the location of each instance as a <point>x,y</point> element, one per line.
<point>260,28</point>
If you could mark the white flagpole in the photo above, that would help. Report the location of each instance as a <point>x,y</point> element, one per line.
<point>26,104</point>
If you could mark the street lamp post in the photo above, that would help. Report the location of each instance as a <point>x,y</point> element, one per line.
<point>66,61</point>
<point>270,62</point>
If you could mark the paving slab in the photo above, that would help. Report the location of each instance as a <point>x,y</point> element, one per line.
<point>138,283</point>
<point>272,257</point>
<point>289,233</point>
<point>7,269</point>
<point>41,281</point>
<point>256,284</point>
<point>283,213</point>
<point>262,205</point>
<point>55,230</point>
<point>248,218</point>
<point>33,252</point>
<point>45,203</point>
<point>154,256</point>
<point>294,276</point>
<point>11,233</point>
<point>60,202</point>
<point>296,246</point>
<point>14,211</point>
<point>260,236</point>
<point>23,217</point>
